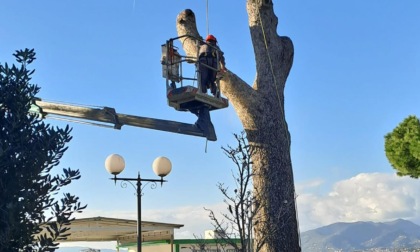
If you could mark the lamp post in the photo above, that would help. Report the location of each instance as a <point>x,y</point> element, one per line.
<point>115,164</point>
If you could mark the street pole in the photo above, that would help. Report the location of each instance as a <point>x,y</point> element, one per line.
<point>139,235</point>
<point>162,166</point>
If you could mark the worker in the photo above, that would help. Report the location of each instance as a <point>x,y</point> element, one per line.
<point>208,56</point>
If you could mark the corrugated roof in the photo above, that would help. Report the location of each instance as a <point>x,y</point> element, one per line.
<point>121,230</point>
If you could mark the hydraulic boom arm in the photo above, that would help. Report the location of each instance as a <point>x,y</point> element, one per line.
<point>109,115</point>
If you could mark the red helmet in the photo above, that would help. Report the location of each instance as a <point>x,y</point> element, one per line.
<point>211,38</point>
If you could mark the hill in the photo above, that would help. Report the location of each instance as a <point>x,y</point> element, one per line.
<point>363,236</point>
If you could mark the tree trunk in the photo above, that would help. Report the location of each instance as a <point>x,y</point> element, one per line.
<point>261,111</point>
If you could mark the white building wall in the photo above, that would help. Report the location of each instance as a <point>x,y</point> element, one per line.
<point>154,248</point>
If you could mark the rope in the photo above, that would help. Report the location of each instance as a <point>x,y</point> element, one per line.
<point>269,59</point>
<point>207,16</point>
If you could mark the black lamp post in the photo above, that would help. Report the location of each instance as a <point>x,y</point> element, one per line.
<point>115,164</point>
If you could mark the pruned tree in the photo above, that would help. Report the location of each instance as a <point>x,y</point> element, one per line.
<point>402,147</point>
<point>260,108</point>
<point>32,216</point>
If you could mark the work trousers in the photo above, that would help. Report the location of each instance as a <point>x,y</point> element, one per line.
<point>208,75</point>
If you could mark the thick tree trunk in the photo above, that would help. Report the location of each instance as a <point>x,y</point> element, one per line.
<point>261,111</point>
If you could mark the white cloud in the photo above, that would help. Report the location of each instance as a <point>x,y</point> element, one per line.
<point>194,218</point>
<point>365,197</point>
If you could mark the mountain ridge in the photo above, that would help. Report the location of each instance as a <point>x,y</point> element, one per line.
<point>362,236</point>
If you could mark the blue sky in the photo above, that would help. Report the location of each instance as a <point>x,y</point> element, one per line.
<point>355,77</point>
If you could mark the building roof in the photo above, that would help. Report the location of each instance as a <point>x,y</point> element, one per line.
<point>121,230</point>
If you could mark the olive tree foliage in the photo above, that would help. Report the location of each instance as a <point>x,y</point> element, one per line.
<point>33,217</point>
<point>402,147</point>
<point>260,107</point>
<point>236,224</point>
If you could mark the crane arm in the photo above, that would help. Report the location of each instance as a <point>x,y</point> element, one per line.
<point>109,115</point>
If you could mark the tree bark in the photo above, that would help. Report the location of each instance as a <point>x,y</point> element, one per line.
<point>261,111</point>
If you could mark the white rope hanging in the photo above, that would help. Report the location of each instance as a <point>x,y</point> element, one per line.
<point>207,16</point>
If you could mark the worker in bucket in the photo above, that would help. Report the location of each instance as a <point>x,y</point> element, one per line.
<point>210,56</point>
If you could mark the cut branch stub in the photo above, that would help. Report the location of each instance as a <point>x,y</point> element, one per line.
<point>186,25</point>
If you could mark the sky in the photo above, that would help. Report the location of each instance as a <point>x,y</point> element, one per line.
<point>355,77</point>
